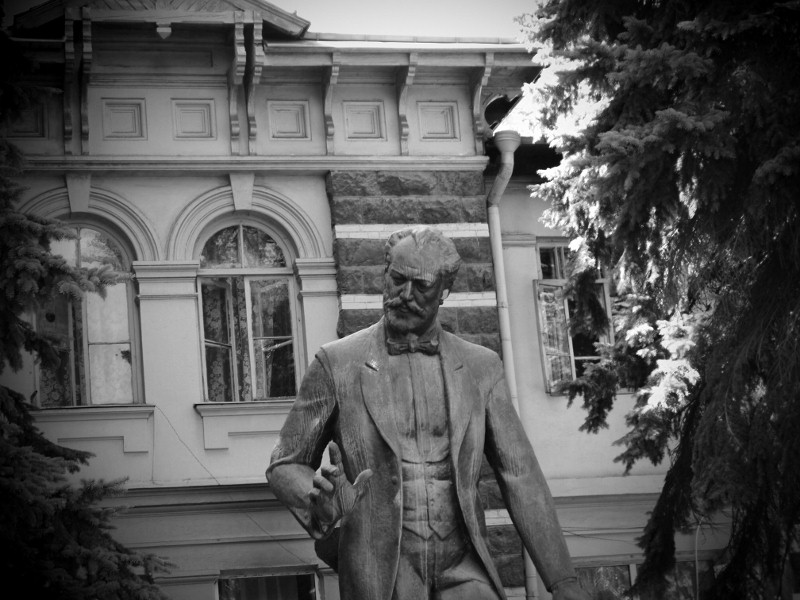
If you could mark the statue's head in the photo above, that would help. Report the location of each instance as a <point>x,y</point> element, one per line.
<point>421,266</point>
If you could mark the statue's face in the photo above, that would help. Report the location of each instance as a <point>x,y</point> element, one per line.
<point>412,288</point>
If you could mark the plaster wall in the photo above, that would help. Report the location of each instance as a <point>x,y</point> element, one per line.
<point>574,462</point>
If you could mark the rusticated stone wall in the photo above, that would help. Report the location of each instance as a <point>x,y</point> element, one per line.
<point>366,207</point>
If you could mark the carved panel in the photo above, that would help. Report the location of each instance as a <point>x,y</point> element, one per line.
<point>31,123</point>
<point>288,120</point>
<point>124,118</point>
<point>193,119</point>
<point>438,120</point>
<point>364,120</point>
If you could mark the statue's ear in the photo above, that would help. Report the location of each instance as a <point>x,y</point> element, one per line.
<point>445,294</point>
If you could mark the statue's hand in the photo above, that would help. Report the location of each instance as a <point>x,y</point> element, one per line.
<point>333,496</point>
<point>570,590</point>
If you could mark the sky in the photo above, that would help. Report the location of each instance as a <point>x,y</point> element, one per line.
<point>440,18</point>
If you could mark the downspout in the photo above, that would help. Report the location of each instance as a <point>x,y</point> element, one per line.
<point>507,142</point>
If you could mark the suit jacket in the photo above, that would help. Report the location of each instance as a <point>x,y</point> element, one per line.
<point>346,397</point>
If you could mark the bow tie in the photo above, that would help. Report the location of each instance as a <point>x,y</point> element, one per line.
<point>426,346</point>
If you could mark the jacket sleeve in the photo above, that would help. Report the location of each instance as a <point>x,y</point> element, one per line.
<point>523,486</point>
<point>301,444</point>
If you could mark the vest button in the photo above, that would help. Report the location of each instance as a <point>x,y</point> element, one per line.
<point>394,480</point>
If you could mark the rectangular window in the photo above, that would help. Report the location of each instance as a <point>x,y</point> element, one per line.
<point>605,582</point>
<point>564,355</point>
<point>277,587</point>
<point>248,338</point>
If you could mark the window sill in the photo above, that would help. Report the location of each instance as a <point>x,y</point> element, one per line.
<point>132,423</point>
<point>225,420</point>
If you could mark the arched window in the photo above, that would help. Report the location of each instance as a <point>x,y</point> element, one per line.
<point>248,316</point>
<point>94,336</point>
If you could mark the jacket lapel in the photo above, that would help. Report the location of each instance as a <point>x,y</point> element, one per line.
<point>376,389</point>
<point>459,407</point>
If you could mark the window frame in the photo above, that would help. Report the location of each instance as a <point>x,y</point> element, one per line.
<point>137,379</point>
<point>248,274</point>
<point>272,572</point>
<point>606,338</point>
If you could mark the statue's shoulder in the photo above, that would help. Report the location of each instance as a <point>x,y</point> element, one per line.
<point>470,352</point>
<point>351,346</point>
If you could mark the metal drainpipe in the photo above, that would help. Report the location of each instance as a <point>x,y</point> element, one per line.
<point>507,142</point>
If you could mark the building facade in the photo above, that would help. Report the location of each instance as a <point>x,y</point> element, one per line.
<point>247,172</point>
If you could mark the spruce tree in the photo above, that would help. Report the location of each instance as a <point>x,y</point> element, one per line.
<point>55,538</point>
<point>679,127</point>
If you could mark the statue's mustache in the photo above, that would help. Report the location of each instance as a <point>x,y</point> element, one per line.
<point>400,303</point>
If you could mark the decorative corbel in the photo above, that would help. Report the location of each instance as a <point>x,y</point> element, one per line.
<point>405,79</point>
<point>252,78</point>
<point>235,77</point>
<point>86,74</point>
<point>69,77</point>
<point>332,78</point>
<point>480,81</point>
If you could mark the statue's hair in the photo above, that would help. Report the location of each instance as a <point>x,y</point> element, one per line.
<point>426,237</point>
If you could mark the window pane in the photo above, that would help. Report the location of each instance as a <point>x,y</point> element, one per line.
<point>66,248</point>
<point>218,374</point>
<point>547,260</point>
<point>222,249</point>
<point>54,321</point>
<point>605,583</point>
<point>274,368</point>
<point>260,250</point>
<point>583,345</point>
<point>97,249</point>
<point>553,319</point>
<point>110,373</point>
<point>271,313</point>
<point>108,318</point>
<point>554,334</point>
<point>215,311</point>
<point>283,587</point>
<point>55,388</point>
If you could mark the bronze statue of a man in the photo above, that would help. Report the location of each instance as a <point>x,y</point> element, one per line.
<point>407,411</point>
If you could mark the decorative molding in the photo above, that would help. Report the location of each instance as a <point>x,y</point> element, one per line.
<point>222,165</point>
<point>317,276</point>
<point>480,81</point>
<point>454,300</point>
<point>242,190</point>
<point>298,226</point>
<point>288,120</point>
<point>331,80</point>
<point>193,119</point>
<point>236,73</point>
<point>405,79</point>
<point>364,120</point>
<point>438,120</point>
<point>159,280</point>
<point>79,186</point>
<point>381,231</point>
<point>256,51</point>
<point>124,118</point>
<point>86,74</point>
<point>105,205</point>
